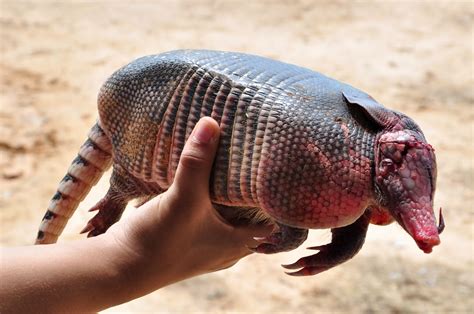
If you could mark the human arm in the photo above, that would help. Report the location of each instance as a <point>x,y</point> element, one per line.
<point>175,236</point>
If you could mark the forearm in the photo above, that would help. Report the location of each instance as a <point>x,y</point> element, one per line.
<point>175,236</point>
<point>80,276</point>
<point>97,273</point>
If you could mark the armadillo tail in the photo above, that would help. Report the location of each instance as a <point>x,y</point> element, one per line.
<point>94,158</point>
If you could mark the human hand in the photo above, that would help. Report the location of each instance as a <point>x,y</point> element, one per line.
<point>179,234</point>
<point>175,236</point>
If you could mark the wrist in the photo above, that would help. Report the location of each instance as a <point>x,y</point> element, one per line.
<point>113,267</point>
<point>142,265</point>
<point>153,253</point>
<point>124,262</point>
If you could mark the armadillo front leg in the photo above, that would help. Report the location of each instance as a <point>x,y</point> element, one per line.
<point>285,239</point>
<point>345,243</point>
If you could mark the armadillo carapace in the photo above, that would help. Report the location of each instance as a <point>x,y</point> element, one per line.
<point>296,148</point>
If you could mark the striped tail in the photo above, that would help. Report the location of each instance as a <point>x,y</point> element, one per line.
<point>94,158</point>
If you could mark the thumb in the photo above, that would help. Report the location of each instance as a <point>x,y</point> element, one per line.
<point>195,163</point>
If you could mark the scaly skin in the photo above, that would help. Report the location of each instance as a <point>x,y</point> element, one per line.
<point>296,148</point>
<point>407,172</point>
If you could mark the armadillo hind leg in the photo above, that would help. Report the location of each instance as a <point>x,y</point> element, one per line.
<point>110,209</point>
<point>123,188</point>
<point>285,239</point>
<point>93,159</point>
<point>345,243</point>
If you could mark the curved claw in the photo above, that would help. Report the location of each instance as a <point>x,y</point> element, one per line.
<point>307,261</point>
<point>87,228</point>
<point>317,247</point>
<point>294,265</point>
<point>109,209</point>
<point>441,223</point>
<point>91,230</point>
<point>307,271</point>
<point>268,245</point>
<point>311,263</point>
<point>94,233</point>
<point>315,264</point>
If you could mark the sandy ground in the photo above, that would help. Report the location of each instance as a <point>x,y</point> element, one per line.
<point>413,57</point>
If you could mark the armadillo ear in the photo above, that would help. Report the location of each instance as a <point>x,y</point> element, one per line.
<point>373,110</point>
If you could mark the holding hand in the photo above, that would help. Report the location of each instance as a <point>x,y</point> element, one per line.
<point>175,236</point>
<point>183,220</point>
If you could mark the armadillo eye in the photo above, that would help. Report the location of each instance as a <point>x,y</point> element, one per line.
<point>386,165</point>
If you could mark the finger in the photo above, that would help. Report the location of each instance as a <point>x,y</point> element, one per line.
<point>195,164</point>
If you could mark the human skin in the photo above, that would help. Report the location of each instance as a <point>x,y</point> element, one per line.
<point>175,236</point>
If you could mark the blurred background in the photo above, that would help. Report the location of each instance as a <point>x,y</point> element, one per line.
<point>415,57</point>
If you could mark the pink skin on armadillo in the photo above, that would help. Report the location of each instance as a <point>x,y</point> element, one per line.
<point>406,175</point>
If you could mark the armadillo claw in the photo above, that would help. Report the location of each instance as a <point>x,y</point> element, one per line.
<point>94,233</point>
<point>307,271</point>
<point>441,223</point>
<point>109,209</point>
<point>310,265</point>
<point>286,239</point>
<point>317,247</point>
<point>95,226</point>
<point>91,229</point>
<point>87,228</point>
<point>99,223</point>
<point>266,248</point>
<point>269,245</point>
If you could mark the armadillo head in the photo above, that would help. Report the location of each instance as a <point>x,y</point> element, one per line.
<point>405,169</point>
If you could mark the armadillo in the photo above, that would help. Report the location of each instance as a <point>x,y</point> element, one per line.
<point>297,149</point>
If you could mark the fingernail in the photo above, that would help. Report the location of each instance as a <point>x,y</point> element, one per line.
<point>203,133</point>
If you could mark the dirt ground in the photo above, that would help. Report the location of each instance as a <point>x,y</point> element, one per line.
<point>416,57</point>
